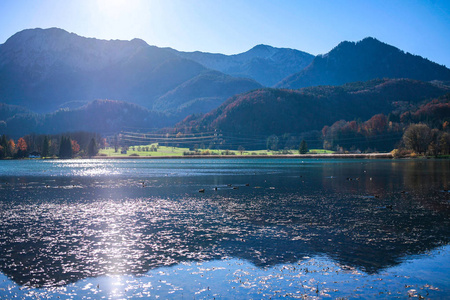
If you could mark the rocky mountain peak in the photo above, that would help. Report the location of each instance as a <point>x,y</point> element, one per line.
<point>53,46</point>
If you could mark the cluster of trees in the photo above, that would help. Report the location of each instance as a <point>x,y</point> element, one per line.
<point>106,116</point>
<point>421,139</point>
<point>381,134</point>
<point>151,148</point>
<point>422,128</point>
<point>78,144</point>
<point>289,141</point>
<point>377,133</point>
<point>7,147</point>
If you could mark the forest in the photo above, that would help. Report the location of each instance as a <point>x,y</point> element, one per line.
<point>68,145</point>
<point>429,122</point>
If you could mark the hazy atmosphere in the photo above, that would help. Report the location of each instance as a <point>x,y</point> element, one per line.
<point>234,26</point>
<point>235,149</point>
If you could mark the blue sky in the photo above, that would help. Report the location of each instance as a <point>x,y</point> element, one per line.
<point>234,26</point>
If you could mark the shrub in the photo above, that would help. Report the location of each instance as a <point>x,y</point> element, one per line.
<point>400,153</point>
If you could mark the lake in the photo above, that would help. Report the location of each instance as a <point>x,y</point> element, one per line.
<point>262,228</point>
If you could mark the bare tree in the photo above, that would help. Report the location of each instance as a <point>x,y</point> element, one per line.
<point>417,137</point>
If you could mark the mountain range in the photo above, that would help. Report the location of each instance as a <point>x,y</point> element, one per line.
<point>361,61</point>
<point>46,73</point>
<point>43,69</point>
<point>266,64</point>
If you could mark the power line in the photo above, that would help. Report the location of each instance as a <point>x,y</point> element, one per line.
<point>232,140</point>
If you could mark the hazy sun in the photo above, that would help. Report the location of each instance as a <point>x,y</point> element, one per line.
<point>114,8</point>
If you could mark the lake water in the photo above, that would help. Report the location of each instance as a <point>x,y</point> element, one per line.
<point>262,228</point>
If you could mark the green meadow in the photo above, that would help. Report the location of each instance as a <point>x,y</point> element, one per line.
<point>145,150</point>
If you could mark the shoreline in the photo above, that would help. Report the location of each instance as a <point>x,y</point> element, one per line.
<point>292,156</point>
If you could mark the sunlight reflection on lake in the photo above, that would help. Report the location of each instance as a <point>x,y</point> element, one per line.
<point>269,227</point>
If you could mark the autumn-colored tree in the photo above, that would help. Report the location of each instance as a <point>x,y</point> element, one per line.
<point>376,124</point>
<point>21,145</point>
<point>21,148</point>
<point>445,125</point>
<point>75,147</point>
<point>11,148</point>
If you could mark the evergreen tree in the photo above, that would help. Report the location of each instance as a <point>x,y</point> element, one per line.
<point>303,147</point>
<point>61,147</point>
<point>92,148</point>
<point>45,147</point>
<point>3,146</point>
<point>116,144</point>
<point>65,147</point>
<point>4,141</point>
<point>68,147</point>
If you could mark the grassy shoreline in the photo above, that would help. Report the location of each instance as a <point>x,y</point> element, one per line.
<point>164,152</point>
<point>183,152</point>
<point>308,156</point>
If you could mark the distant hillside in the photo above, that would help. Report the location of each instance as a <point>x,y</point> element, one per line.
<point>384,132</point>
<point>202,93</point>
<point>266,112</point>
<point>7,111</point>
<point>265,64</point>
<point>100,116</point>
<point>43,68</point>
<point>361,61</point>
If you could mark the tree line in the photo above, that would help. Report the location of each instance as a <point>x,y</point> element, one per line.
<point>420,129</point>
<point>68,145</point>
<point>381,134</point>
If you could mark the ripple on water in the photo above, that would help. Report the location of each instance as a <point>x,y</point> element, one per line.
<point>121,235</point>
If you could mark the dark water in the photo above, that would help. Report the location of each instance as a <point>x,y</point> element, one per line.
<point>273,228</point>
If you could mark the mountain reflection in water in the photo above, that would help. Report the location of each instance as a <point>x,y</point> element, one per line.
<point>61,227</point>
